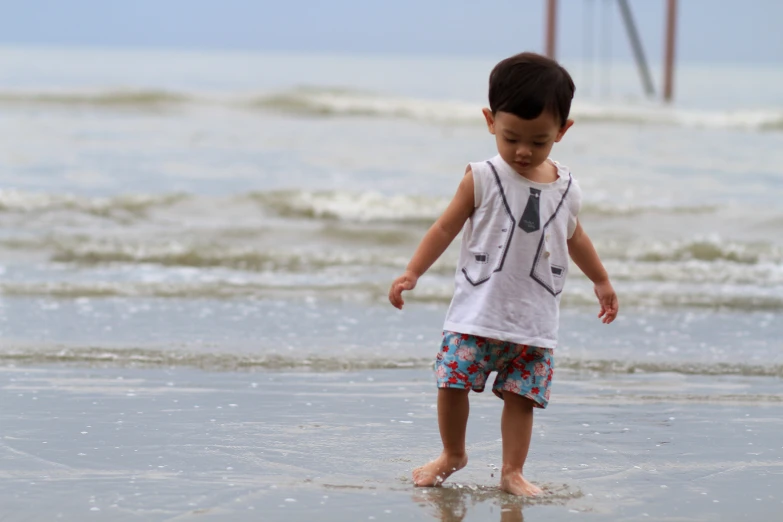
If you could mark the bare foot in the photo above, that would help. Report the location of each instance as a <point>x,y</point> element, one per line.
<point>435,472</point>
<point>516,484</point>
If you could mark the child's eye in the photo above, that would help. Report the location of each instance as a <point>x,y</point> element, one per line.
<point>539,144</point>
<point>509,140</point>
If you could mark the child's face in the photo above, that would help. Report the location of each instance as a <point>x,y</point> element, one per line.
<point>525,144</point>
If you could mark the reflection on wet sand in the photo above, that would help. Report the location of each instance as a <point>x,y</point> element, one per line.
<point>452,504</point>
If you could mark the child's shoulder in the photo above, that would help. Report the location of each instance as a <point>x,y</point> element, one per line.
<point>565,174</point>
<point>487,169</point>
<point>572,190</point>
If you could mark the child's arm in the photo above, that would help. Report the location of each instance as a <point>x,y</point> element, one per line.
<point>436,240</point>
<point>586,258</point>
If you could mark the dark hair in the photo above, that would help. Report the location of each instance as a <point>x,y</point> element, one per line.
<point>528,84</point>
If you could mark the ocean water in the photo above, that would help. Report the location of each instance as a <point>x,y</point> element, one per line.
<point>149,200</point>
<point>195,254</point>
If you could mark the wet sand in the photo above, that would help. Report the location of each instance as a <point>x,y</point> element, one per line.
<point>184,444</point>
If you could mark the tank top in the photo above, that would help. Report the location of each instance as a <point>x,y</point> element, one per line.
<point>514,258</point>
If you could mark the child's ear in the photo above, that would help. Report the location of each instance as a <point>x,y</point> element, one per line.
<point>563,130</point>
<point>490,120</point>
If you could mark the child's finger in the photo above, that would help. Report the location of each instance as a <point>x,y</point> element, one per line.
<point>396,295</point>
<point>397,288</point>
<point>611,313</point>
<point>612,306</point>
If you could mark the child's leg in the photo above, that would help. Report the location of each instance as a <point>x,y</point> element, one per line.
<point>453,410</point>
<point>516,426</point>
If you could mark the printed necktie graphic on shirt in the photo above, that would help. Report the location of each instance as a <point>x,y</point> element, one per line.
<point>531,219</point>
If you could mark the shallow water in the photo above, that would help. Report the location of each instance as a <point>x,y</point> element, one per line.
<point>171,444</point>
<point>312,334</point>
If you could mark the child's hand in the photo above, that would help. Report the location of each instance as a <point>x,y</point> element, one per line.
<point>406,281</point>
<point>607,298</point>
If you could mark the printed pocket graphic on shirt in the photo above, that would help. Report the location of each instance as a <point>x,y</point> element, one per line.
<point>481,257</point>
<point>558,271</point>
<point>488,256</point>
<point>550,265</point>
<point>481,264</point>
<point>548,269</point>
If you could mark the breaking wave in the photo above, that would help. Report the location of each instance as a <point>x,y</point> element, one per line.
<point>372,206</point>
<point>255,259</point>
<point>317,101</point>
<point>129,356</point>
<point>335,244</point>
<point>712,249</point>
<point>633,295</point>
<point>314,101</point>
<point>116,206</point>
<point>139,99</point>
<point>698,260</point>
<point>331,205</point>
<point>612,210</point>
<point>350,206</point>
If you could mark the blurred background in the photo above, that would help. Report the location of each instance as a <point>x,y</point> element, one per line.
<point>197,185</point>
<point>243,179</point>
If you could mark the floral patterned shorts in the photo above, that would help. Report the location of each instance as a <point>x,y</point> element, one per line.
<point>465,361</point>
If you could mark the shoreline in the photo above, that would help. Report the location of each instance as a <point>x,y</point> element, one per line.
<point>181,443</point>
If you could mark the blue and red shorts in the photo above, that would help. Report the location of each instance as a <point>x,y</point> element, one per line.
<point>465,362</point>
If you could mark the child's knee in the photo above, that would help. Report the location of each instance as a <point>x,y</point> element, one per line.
<point>455,393</point>
<point>518,401</point>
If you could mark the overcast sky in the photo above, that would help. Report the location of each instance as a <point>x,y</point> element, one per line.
<point>709,30</point>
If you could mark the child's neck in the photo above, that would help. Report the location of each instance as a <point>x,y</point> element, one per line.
<point>544,173</point>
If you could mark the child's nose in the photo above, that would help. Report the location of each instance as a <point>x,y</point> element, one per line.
<point>524,152</point>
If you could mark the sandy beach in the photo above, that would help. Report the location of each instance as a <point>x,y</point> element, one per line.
<point>185,444</point>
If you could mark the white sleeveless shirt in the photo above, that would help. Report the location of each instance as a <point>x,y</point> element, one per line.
<point>514,256</point>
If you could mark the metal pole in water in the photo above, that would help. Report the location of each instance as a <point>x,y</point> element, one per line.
<point>636,46</point>
<point>551,28</point>
<point>671,30</point>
